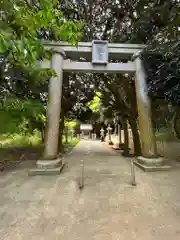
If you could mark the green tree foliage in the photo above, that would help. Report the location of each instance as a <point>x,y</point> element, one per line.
<point>70,124</point>
<point>22,116</point>
<point>163,70</point>
<point>21,21</point>
<point>23,27</point>
<point>94,104</point>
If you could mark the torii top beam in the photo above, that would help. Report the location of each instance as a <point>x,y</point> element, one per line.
<point>84,50</point>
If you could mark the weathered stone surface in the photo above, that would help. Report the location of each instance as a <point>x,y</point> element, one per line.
<point>152,168</point>
<point>150,161</point>
<point>48,164</point>
<point>46,171</point>
<point>54,105</point>
<point>53,207</point>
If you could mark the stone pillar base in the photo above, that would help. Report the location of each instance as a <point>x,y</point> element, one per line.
<point>151,161</point>
<point>47,167</point>
<point>49,164</point>
<point>110,142</point>
<point>117,146</point>
<point>151,164</point>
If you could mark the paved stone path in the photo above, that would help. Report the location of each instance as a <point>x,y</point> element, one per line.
<point>52,207</point>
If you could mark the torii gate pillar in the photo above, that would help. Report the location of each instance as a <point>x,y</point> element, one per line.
<point>54,106</point>
<point>53,114</point>
<point>148,142</point>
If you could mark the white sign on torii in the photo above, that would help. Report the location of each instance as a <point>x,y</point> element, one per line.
<point>100,52</point>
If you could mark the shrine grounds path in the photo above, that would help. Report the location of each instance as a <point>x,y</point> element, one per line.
<point>53,207</point>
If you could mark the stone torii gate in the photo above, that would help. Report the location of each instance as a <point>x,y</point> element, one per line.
<point>66,58</point>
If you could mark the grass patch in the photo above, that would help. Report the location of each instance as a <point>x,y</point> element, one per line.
<point>164,135</point>
<point>71,144</point>
<point>23,141</point>
<point>15,148</point>
<point>19,140</point>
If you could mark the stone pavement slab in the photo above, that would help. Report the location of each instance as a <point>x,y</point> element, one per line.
<point>53,207</point>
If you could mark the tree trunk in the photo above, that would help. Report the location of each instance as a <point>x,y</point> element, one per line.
<point>126,138</point>
<point>119,136</point>
<point>176,122</point>
<point>42,135</point>
<point>61,128</point>
<point>136,138</point>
